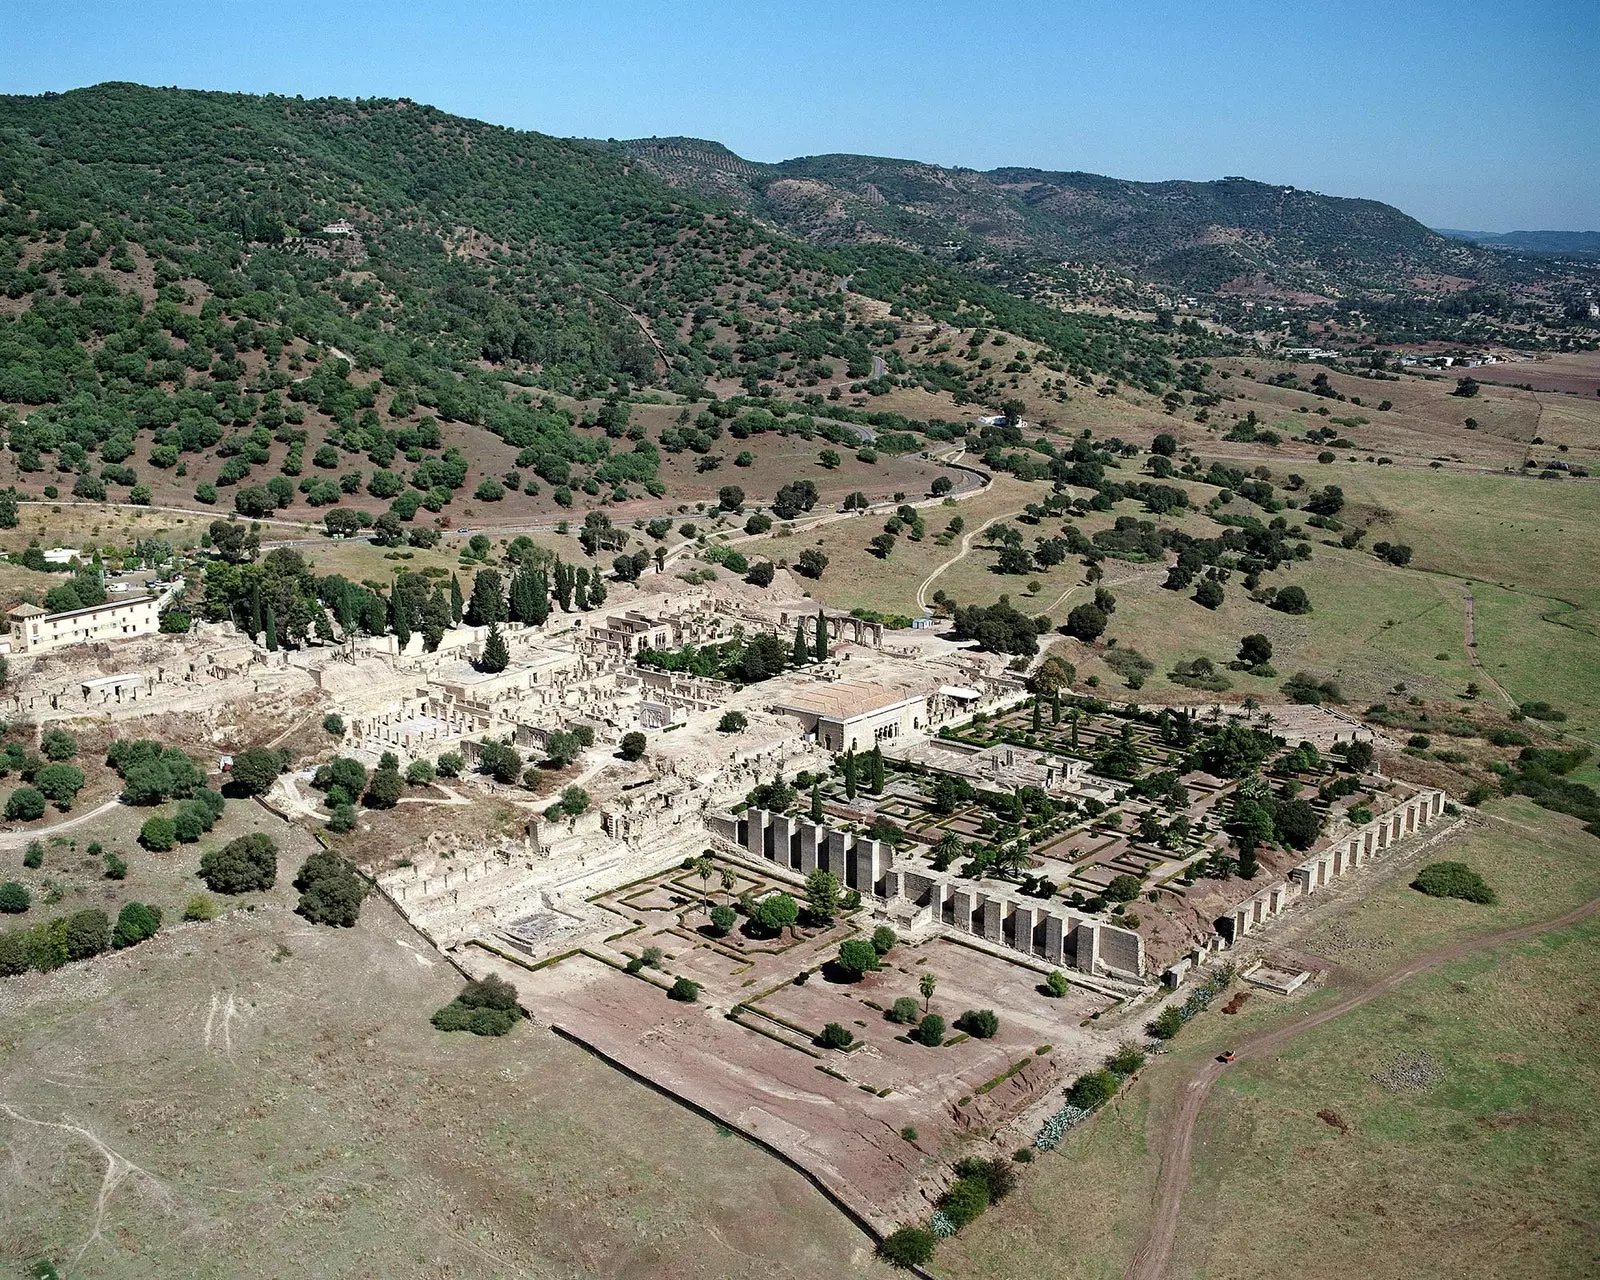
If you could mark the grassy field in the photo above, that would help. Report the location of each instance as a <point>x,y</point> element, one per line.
<point>273,1103</point>
<point>1496,1160</point>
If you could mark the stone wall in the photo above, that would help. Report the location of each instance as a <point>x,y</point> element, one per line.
<point>921,897</point>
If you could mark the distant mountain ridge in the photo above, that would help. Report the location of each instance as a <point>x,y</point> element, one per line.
<point>1582,243</point>
<point>1194,236</point>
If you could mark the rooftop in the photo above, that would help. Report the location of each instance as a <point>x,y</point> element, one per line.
<point>844,699</point>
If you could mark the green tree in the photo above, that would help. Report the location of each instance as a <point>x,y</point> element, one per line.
<point>496,657</point>
<point>158,834</point>
<point>836,1036</point>
<point>823,894</point>
<point>633,746</point>
<point>255,769</point>
<point>136,922</point>
<point>330,890</point>
<point>927,984</point>
<point>930,1031</point>
<point>858,956</point>
<point>777,912</point>
<point>243,865</point>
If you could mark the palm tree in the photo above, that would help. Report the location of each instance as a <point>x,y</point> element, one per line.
<point>728,881</point>
<point>705,869</point>
<point>926,985</point>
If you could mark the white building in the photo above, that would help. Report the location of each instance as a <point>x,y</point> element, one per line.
<point>851,714</point>
<point>35,631</point>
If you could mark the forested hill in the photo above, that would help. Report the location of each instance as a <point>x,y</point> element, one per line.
<point>1190,235</point>
<point>470,247</point>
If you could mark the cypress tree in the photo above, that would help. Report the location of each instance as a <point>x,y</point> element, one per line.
<point>400,618</point>
<point>1055,707</point>
<point>539,589</point>
<point>875,764</point>
<point>1036,713</point>
<point>496,657</point>
<point>816,804</point>
<point>457,602</point>
<point>272,628</point>
<point>850,774</point>
<point>580,589</point>
<point>597,590</point>
<point>802,651</point>
<point>1248,864</point>
<point>822,638</point>
<point>255,612</point>
<point>563,586</point>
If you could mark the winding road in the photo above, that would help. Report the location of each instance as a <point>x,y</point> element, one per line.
<point>1151,1259</point>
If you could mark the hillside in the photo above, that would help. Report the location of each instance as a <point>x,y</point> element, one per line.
<point>1196,236</point>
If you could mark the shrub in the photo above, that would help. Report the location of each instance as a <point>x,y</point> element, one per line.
<point>247,863</point>
<point>33,856</point>
<point>723,918</point>
<point>966,1200</point>
<point>158,834</point>
<point>1126,1060</point>
<point>996,1173</point>
<point>908,1247</point>
<point>450,765</point>
<point>1091,1089</point>
<point>1291,599</point>
<point>330,890</point>
<point>884,939</point>
<point>684,990</point>
<point>836,1036</point>
<point>981,1024</point>
<point>905,1010</point>
<point>333,724</point>
<point>136,922</point>
<point>731,722</point>
<point>1453,880</point>
<point>24,805</point>
<point>200,907</point>
<point>116,868</point>
<point>187,825</point>
<point>1123,888</point>
<point>633,746</point>
<point>1167,1023</point>
<point>88,933</point>
<point>1057,984</point>
<point>58,745</point>
<point>930,1031</point>
<point>14,897</point>
<point>857,956</point>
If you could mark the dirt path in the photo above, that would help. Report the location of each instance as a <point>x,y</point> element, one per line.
<point>966,546</point>
<point>1150,1260</point>
<point>16,839</point>
<point>1472,646</point>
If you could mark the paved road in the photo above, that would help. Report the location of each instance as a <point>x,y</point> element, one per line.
<point>1154,1254</point>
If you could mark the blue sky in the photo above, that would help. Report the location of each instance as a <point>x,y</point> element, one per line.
<point>1465,114</point>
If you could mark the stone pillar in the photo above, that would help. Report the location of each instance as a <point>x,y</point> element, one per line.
<point>755,836</point>
<point>1087,953</point>
<point>1241,922</point>
<point>785,840</point>
<point>1022,920</point>
<point>964,906</point>
<point>992,929</point>
<point>1275,898</point>
<point>1054,938</point>
<point>811,836</point>
<point>834,859</point>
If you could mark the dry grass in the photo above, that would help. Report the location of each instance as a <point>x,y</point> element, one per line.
<point>1495,1166</point>
<point>276,1104</point>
